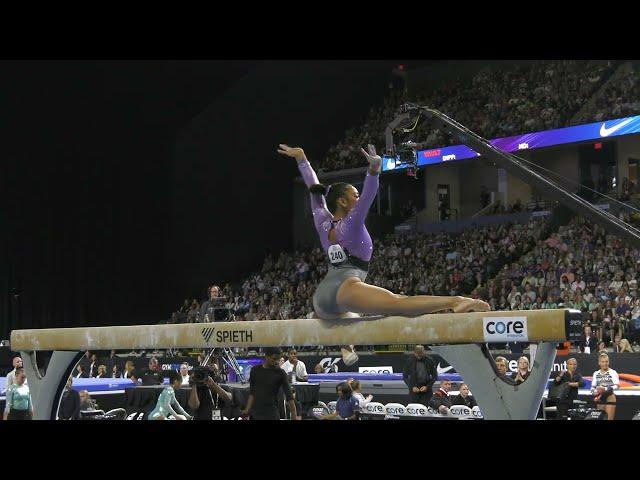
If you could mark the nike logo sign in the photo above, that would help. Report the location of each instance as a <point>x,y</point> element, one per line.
<point>442,370</point>
<point>605,132</point>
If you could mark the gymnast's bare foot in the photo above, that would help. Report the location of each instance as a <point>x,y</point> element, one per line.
<point>464,304</point>
<point>349,355</point>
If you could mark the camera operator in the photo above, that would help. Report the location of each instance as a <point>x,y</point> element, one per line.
<point>206,395</point>
<point>214,309</point>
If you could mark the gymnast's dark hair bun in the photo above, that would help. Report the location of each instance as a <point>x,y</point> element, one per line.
<point>333,193</point>
<point>319,189</point>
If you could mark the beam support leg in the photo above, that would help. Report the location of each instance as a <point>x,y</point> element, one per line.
<point>46,391</point>
<point>497,398</point>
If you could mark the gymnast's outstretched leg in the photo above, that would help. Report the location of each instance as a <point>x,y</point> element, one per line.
<point>357,296</point>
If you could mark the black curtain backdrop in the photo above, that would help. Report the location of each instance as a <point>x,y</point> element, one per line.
<point>90,232</point>
<point>85,164</point>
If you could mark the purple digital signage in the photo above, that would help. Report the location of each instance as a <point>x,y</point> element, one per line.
<point>528,141</point>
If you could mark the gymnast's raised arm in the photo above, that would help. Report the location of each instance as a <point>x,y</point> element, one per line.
<point>318,203</point>
<point>371,183</point>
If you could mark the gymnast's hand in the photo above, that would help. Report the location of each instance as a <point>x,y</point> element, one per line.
<point>295,152</point>
<point>375,162</point>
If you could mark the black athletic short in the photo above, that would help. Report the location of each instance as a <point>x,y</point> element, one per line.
<point>603,397</point>
<point>19,414</point>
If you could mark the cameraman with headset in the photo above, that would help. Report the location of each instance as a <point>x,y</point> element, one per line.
<point>214,309</point>
<point>206,395</point>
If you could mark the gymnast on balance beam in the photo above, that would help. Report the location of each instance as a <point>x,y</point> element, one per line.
<point>339,213</point>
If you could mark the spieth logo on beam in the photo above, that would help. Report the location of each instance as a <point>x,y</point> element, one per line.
<point>505,329</point>
<point>226,336</point>
<point>207,333</point>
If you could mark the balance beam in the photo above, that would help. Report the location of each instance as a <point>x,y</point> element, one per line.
<point>458,335</point>
<point>556,325</point>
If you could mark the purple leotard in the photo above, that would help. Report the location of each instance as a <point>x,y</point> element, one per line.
<point>351,232</point>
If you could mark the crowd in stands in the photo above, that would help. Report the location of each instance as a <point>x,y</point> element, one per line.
<point>516,207</point>
<point>448,264</point>
<point>503,102</point>
<point>534,205</point>
<point>620,98</point>
<point>581,267</point>
<point>512,266</point>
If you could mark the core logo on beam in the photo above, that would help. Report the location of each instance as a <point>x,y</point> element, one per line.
<point>225,336</point>
<point>505,329</point>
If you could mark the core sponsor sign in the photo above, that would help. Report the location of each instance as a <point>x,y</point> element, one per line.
<point>505,329</point>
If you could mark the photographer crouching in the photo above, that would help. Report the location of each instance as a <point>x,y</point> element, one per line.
<point>206,395</point>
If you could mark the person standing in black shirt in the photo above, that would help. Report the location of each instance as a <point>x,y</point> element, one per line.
<point>574,381</point>
<point>420,374</point>
<point>70,403</point>
<point>265,382</point>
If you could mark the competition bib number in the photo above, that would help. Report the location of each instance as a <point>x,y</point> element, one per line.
<point>336,254</point>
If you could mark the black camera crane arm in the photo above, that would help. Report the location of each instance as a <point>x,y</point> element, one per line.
<point>516,167</point>
<point>402,120</point>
